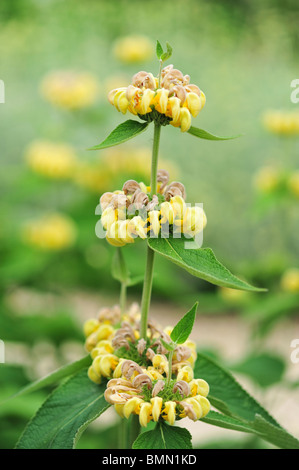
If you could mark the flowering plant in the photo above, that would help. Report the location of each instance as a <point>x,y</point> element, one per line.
<point>153,377</point>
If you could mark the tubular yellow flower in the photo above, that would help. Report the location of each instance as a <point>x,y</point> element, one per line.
<point>104,365</point>
<point>185,373</point>
<point>169,412</point>
<point>185,119</point>
<point>282,122</point>
<point>52,233</point>
<point>90,326</point>
<point>157,403</point>
<point>267,179</point>
<point>94,377</point>
<point>131,49</point>
<point>173,102</point>
<point>199,387</point>
<point>154,221</point>
<point>167,213</point>
<point>196,406</point>
<point>204,404</point>
<point>145,414</point>
<point>132,406</point>
<point>53,160</point>
<point>70,90</point>
<point>160,363</point>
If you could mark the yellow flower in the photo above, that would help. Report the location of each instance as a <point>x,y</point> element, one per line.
<point>145,414</point>
<point>199,387</point>
<point>104,365</point>
<point>52,233</point>
<point>169,412</point>
<point>173,102</point>
<point>70,90</point>
<point>50,159</point>
<point>94,377</point>
<point>267,179</point>
<point>282,122</point>
<point>90,326</point>
<point>185,373</point>
<point>290,280</point>
<point>131,49</point>
<point>157,403</point>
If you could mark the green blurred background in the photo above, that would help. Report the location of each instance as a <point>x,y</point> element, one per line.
<point>243,55</point>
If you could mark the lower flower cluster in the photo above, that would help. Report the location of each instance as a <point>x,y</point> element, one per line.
<point>139,377</point>
<point>133,212</point>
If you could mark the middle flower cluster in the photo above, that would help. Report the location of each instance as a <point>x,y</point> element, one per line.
<point>133,213</point>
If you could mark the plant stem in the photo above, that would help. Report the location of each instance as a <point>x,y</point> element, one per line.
<point>123,297</point>
<point>149,270</point>
<point>123,434</point>
<point>155,154</point>
<point>134,430</point>
<point>147,291</point>
<point>170,356</point>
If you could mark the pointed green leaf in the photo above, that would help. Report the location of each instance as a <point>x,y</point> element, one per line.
<point>66,413</point>
<point>202,134</point>
<point>54,377</point>
<point>159,50</point>
<point>125,131</point>
<point>260,427</point>
<point>164,437</point>
<point>183,328</point>
<point>200,262</point>
<point>167,54</point>
<point>226,393</point>
<point>169,49</point>
<point>242,411</point>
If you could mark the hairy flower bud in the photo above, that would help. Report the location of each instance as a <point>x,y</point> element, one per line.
<point>175,189</point>
<point>182,387</point>
<point>141,380</point>
<point>130,187</point>
<point>144,80</point>
<point>159,386</point>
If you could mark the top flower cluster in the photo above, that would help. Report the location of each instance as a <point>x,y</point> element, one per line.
<point>168,99</point>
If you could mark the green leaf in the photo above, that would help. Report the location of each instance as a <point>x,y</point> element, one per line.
<point>226,393</point>
<point>200,262</point>
<point>183,328</point>
<point>167,54</point>
<point>125,131</point>
<point>265,369</point>
<point>202,134</point>
<point>54,377</point>
<point>119,268</point>
<point>65,414</point>
<point>243,412</point>
<point>260,427</point>
<point>164,437</point>
<point>159,50</point>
